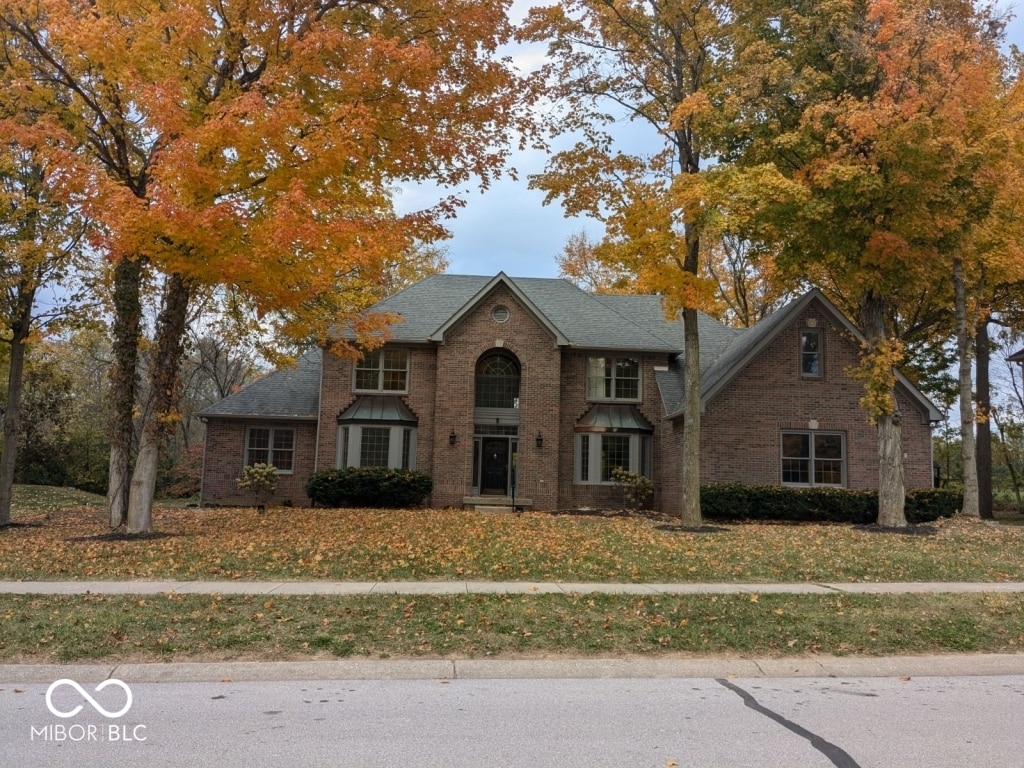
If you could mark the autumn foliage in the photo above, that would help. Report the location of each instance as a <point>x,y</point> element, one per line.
<point>255,147</point>
<point>372,545</point>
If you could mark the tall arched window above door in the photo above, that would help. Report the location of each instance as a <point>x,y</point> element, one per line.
<point>497,380</point>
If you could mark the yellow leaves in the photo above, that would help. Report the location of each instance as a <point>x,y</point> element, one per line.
<point>694,105</point>
<point>877,371</point>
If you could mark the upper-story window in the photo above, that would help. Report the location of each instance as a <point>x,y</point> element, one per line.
<point>613,378</point>
<point>497,381</point>
<point>383,370</point>
<point>810,352</point>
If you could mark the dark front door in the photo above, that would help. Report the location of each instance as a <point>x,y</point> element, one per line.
<point>494,480</point>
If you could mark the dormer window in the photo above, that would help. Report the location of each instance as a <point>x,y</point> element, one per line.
<point>810,352</point>
<point>383,370</point>
<point>613,378</point>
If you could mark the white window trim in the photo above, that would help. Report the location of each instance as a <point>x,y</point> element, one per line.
<point>638,445</point>
<point>270,449</point>
<point>812,433</point>
<point>380,373</point>
<point>395,441</point>
<point>615,358</point>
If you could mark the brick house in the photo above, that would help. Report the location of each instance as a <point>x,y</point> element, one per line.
<point>528,386</point>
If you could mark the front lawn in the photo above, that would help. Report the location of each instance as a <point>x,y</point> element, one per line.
<point>381,545</point>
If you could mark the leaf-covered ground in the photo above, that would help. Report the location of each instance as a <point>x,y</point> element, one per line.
<point>212,627</point>
<point>368,545</point>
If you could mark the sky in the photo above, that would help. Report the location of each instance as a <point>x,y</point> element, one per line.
<point>508,228</point>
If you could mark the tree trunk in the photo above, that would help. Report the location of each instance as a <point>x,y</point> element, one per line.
<point>984,426</point>
<point>164,391</point>
<point>891,484</point>
<point>963,346</point>
<point>124,384</point>
<point>20,328</point>
<point>690,512</point>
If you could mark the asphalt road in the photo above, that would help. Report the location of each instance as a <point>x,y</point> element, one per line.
<point>851,722</point>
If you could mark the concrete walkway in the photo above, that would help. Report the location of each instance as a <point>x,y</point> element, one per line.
<point>486,587</point>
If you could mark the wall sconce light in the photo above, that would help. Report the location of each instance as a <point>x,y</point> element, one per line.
<point>452,438</point>
<point>540,440</point>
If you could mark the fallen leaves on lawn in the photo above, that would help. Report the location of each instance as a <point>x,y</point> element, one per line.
<point>369,545</point>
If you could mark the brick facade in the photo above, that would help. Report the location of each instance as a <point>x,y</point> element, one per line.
<point>741,430</point>
<point>224,460</point>
<point>734,421</point>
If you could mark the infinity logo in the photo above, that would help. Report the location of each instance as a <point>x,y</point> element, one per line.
<point>95,704</point>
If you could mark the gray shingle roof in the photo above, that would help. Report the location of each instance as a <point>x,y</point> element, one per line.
<point>286,393</point>
<point>585,320</point>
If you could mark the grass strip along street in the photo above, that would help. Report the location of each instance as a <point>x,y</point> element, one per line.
<point>217,628</point>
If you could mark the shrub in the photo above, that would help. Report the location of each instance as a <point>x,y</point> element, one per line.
<point>182,478</point>
<point>927,504</point>
<point>733,501</point>
<point>261,479</point>
<point>368,487</point>
<point>636,489</point>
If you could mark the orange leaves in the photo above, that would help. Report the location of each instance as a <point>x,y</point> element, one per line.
<point>277,133</point>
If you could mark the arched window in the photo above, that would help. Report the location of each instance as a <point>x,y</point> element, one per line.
<point>497,381</point>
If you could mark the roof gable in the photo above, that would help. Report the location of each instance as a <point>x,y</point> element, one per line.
<point>501,279</point>
<point>573,317</point>
<point>748,344</point>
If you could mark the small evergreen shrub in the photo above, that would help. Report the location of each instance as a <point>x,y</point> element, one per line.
<point>379,487</point>
<point>734,501</point>
<point>925,505</point>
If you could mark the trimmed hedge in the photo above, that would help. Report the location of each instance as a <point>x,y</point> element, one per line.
<point>368,487</point>
<point>733,501</point>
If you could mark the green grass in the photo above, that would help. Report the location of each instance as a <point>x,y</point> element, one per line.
<point>179,627</point>
<point>1007,515</point>
<point>33,499</point>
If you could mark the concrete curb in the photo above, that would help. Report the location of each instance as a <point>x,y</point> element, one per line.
<point>522,669</point>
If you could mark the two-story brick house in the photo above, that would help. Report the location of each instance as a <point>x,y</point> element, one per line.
<point>498,386</point>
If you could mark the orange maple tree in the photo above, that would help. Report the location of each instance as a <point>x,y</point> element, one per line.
<point>892,120</point>
<point>256,146</point>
